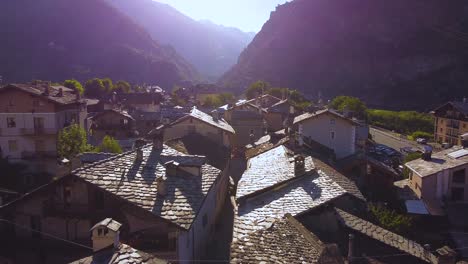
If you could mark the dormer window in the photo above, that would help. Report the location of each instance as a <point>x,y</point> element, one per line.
<point>332,121</point>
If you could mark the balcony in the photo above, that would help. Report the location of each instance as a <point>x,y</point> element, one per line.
<point>38,131</point>
<point>38,155</point>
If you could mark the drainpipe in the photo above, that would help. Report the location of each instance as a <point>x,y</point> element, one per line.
<point>350,248</point>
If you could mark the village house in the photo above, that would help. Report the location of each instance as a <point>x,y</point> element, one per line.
<point>361,241</point>
<point>441,177</point>
<point>114,123</point>
<point>31,116</point>
<point>211,126</point>
<point>330,129</point>
<point>286,240</point>
<point>279,114</point>
<point>166,201</point>
<point>278,181</point>
<point>249,126</point>
<point>143,102</point>
<point>108,249</point>
<point>451,121</point>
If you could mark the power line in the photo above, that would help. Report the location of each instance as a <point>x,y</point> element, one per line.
<point>44,233</point>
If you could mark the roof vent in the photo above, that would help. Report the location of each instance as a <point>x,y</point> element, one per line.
<point>60,92</point>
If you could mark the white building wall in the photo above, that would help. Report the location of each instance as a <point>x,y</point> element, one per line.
<point>320,130</point>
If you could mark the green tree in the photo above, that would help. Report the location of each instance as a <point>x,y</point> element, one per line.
<point>256,88</point>
<point>110,145</point>
<point>72,141</point>
<point>405,122</point>
<point>108,86</point>
<point>95,88</point>
<point>391,220</point>
<point>213,101</point>
<point>74,84</point>
<point>342,103</point>
<point>122,87</point>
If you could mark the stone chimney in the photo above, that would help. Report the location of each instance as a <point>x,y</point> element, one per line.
<point>46,88</point>
<point>139,143</point>
<point>161,185</point>
<point>215,115</point>
<point>105,234</point>
<point>427,154</point>
<point>299,165</point>
<point>351,249</point>
<point>446,255</point>
<point>157,136</point>
<point>60,92</point>
<point>172,168</point>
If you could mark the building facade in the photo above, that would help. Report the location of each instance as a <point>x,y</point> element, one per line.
<point>330,129</point>
<point>450,122</point>
<point>31,116</point>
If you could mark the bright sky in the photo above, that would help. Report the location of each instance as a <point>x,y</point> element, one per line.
<point>247,15</point>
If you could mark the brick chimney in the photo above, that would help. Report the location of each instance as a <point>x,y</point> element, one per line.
<point>446,255</point>
<point>105,234</point>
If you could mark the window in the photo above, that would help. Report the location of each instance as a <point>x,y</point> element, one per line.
<point>191,120</point>
<point>459,176</point>
<point>332,121</point>
<point>464,125</point>
<point>441,130</point>
<point>332,135</point>
<point>12,145</point>
<point>457,194</point>
<point>205,220</point>
<point>11,123</point>
<point>67,193</point>
<point>441,121</point>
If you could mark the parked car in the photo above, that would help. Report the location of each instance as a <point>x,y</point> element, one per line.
<point>421,141</point>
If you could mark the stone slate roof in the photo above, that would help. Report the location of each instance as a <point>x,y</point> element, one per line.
<point>268,189</point>
<point>268,169</point>
<point>389,238</point>
<point>136,182</point>
<point>117,112</point>
<point>208,119</point>
<point>285,241</point>
<point>308,115</point>
<point>109,223</point>
<point>68,95</point>
<point>91,157</point>
<point>123,255</point>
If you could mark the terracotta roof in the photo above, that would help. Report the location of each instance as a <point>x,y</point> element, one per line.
<point>208,119</point>
<point>308,115</point>
<point>285,241</point>
<point>136,182</point>
<point>68,95</point>
<point>385,236</point>
<point>124,254</point>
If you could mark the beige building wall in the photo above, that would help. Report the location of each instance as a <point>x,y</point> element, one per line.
<point>445,132</point>
<point>192,125</point>
<point>331,131</point>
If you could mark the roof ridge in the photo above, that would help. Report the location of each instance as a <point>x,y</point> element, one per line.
<point>309,236</point>
<point>425,255</point>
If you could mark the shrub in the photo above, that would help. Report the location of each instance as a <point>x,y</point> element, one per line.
<point>391,220</point>
<point>421,134</point>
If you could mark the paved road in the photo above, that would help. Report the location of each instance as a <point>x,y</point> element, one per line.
<point>388,139</point>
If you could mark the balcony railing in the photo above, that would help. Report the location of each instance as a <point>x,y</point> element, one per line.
<point>38,131</point>
<point>38,154</point>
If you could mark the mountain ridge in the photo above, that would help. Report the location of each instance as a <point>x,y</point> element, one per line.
<point>392,54</point>
<point>61,39</point>
<point>211,48</point>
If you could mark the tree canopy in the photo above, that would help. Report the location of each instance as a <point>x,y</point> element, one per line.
<point>122,87</point>
<point>256,89</point>
<point>217,100</point>
<point>109,145</point>
<point>95,88</point>
<point>349,103</point>
<point>406,122</point>
<point>72,141</point>
<point>74,84</point>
